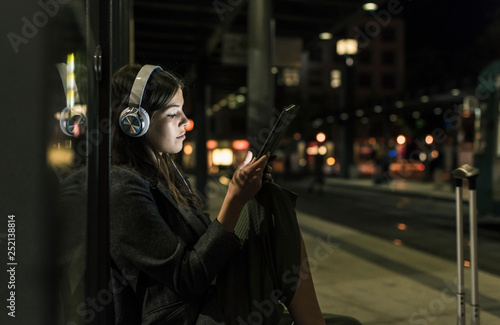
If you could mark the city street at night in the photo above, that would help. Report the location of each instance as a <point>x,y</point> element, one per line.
<point>386,254</point>
<point>138,132</point>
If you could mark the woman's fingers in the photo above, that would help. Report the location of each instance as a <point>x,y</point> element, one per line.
<point>250,159</point>
<point>262,161</point>
<point>248,178</point>
<point>247,159</point>
<point>261,168</point>
<point>268,178</point>
<point>255,163</point>
<point>252,170</point>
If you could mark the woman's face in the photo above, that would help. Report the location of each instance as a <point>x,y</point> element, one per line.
<point>166,131</point>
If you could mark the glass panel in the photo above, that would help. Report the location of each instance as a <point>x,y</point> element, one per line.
<point>496,156</point>
<point>498,130</point>
<point>67,156</point>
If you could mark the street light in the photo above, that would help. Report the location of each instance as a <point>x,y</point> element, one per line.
<point>326,36</point>
<point>347,47</point>
<point>320,137</point>
<point>370,6</point>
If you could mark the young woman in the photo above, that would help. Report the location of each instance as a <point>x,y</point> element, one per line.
<point>172,264</point>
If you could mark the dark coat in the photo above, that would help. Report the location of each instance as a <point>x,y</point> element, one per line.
<point>169,257</point>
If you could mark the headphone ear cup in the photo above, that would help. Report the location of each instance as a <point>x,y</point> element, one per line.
<point>72,121</point>
<point>134,121</point>
<point>63,121</point>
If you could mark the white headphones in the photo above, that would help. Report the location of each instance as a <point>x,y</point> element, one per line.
<point>71,119</point>
<point>72,116</point>
<point>134,120</point>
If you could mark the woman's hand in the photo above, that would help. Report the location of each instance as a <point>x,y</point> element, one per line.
<point>247,180</point>
<point>267,172</point>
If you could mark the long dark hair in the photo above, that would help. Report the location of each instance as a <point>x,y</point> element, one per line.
<point>135,152</point>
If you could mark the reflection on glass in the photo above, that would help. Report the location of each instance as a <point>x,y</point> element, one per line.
<point>67,156</point>
<point>496,160</point>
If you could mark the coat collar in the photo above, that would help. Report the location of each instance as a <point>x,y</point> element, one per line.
<point>193,221</point>
<point>190,218</point>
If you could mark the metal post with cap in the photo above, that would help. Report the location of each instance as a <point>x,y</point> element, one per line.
<point>470,173</point>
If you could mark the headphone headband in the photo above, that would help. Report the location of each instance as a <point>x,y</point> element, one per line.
<point>139,85</point>
<point>134,120</point>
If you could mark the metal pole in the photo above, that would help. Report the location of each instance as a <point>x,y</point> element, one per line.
<point>122,13</point>
<point>347,126</point>
<point>203,93</point>
<point>460,255</point>
<point>260,87</point>
<point>473,251</point>
<point>99,45</point>
<point>470,173</point>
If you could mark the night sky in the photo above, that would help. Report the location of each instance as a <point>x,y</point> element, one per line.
<point>449,39</point>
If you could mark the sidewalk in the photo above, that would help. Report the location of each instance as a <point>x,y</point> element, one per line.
<point>400,186</point>
<point>381,283</point>
<point>414,188</point>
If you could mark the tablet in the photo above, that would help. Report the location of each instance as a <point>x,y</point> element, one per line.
<point>279,128</point>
